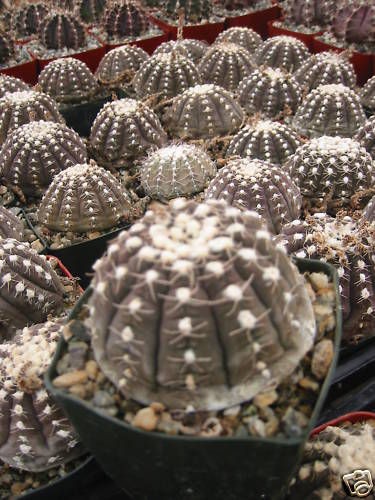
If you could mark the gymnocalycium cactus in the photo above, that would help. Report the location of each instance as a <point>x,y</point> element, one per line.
<point>124,18</point>
<point>337,167</point>
<point>35,435</point>
<point>219,113</point>
<point>68,80</point>
<point>125,129</point>
<point>28,17</point>
<point>195,11</point>
<point>329,110</point>
<point>368,94</point>
<point>187,47</point>
<point>265,140</point>
<point>6,47</point>
<point>354,23</point>
<point>11,226</point>
<point>91,11</point>
<point>325,68</point>
<point>35,152</point>
<point>366,136</point>
<point>120,64</point>
<point>176,170</point>
<point>246,37</point>
<point>260,186</point>
<point>11,84</point>
<point>181,330</point>
<point>225,64</point>
<point>82,198</point>
<point>283,52</point>
<point>166,75</point>
<point>25,106</point>
<point>310,13</point>
<point>349,246</point>
<point>270,92</point>
<point>30,289</point>
<point>61,30</point>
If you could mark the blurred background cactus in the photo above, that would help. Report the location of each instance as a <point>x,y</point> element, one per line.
<point>6,47</point>
<point>124,18</point>
<point>28,17</point>
<point>313,14</point>
<point>61,30</point>
<point>354,25</point>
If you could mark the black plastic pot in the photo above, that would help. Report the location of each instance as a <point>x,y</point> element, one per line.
<point>156,466</point>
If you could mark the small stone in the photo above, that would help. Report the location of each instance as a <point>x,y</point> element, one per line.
<point>102,399</point>
<point>265,398</point>
<point>157,407</point>
<point>294,422</point>
<point>37,246</point>
<point>3,190</point>
<point>94,235</point>
<point>17,488</point>
<point>322,358</point>
<point>55,246</point>
<point>92,369</point>
<point>146,419</point>
<point>241,432</point>
<point>256,427</point>
<point>233,411</point>
<point>308,383</point>
<point>78,390</point>
<point>319,280</point>
<point>70,378</point>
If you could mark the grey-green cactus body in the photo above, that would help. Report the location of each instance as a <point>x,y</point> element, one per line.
<point>366,136</point>
<point>368,94</point>
<point>11,84</point>
<point>11,226</point>
<point>91,11</point>
<point>120,64</point>
<point>283,52</point>
<point>192,49</point>
<point>245,37</point>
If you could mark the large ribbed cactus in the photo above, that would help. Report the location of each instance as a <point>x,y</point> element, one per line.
<point>123,130</point>
<point>265,140</point>
<point>350,247</point>
<point>366,136</point>
<point>28,17</point>
<point>6,47</point>
<point>246,37</point>
<point>35,152</point>
<point>354,23</point>
<point>61,30</point>
<point>35,435</point>
<point>284,52</point>
<point>210,316</point>
<point>11,226</point>
<point>203,112</point>
<point>120,64</point>
<point>329,110</point>
<point>22,107</point>
<point>260,186</point>
<point>83,198</point>
<point>124,18</point>
<point>68,80</point>
<point>176,170</point>
<point>309,13</point>
<point>187,47</point>
<point>270,92</point>
<point>325,68</point>
<point>368,94</point>
<point>225,64</point>
<point>91,11</point>
<point>11,84</point>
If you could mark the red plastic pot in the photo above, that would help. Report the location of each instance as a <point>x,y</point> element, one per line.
<point>206,32</point>
<point>28,71</point>
<point>364,64</point>
<point>65,271</point>
<point>147,44</point>
<point>354,417</point>
<point>258,20</point>
<point>91,57</point>
<point>306,38</point>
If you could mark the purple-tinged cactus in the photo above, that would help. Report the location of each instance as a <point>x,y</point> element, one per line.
<point>192,49</point>
<point>324,69</point>
<point>329,110</point>
<point>309,13</point>
<point>270,92</point>
<point>11,226</point>
<point>225,64</point>
<point>166,75</point>
<point>61,30</point>
<point>35,435</point>
<point>334,167</point>
<point>273,142</point>
<point>369,211</point>
<point>350,247</point>
<point>11,84</point>
<point>119,65</point>
<point>30,289</point>
<point>218,112</point>
<point>245,37</point>
<point>28,17</point>
<point>195,306</point>
<point>6,48</point>
<point>260,186</point>
<point>91,11</point>
<point>35,152</point>
<point>68,80</point>
<point>123,130</point>
<point>355,23</point>
<point>366,136</point>
<point>176,170</point>
<point>284,52</point>
<point>22,107</point>
<point>83,198</point>
<point>195,11</point>
<point>124,18</point>
<point>368,94</point>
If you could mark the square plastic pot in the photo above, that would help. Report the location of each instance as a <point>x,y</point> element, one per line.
<point>306,38</point>
<point>206,32</point>
<point>27,71</point>
<point>258,20</point>
<point>148,44</point>
<point>152,466</point>
<point>363,63</point>
<point>91,57</point>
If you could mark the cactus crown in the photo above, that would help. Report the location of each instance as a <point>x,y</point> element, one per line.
<point>245,37</point>
<point>310,13</point>
<point>120,64</point>
<point>284,52</point>
<point>11,84</point>
<point>60,30</point>
<point>187,47</point>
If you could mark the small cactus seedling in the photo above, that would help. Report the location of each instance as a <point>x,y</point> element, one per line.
<point>35,435</point>
<point>368,94</point>
<point>60,30</point>
<point>329,110</point>
<point>225,64</point>
<point>125,129</point>
<point>68,80</point>
<point>283,52</point>
<point>28,17</point>
<point>273,142</point>
<point>366,136</point>
<point>270,92</point>
<point>204,112</point>
<point>11,226</point>
<point>166,75</point>
<point>324,69</point>
<point>245,37</point>
<point>26,106</point>
<point>309,13</point>
<point>84,198</point>
<point>6,48</point>
<point>30,289</point>
<point>192,49</point>
<point>120,64</point>
<point>195,307</point>
<point>260,186</point>
<point>124,18</point>
<point>11,84</point>
<point>35,152</point>
<point>350,247</point>
<point>176,170</point>
<point>91,11</point>
<point>337,167</point>
<point>354,23</point>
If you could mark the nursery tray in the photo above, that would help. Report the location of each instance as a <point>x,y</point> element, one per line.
<point>157,466</point>
<point>148,44</point>
<point>258,20</point>
<point>206,32</point>
<point>306,38</point>
<point>27,71</point>
<point>91,57</point>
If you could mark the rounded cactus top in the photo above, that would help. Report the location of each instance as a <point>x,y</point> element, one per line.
<point>11,84</point>
<point>28,17</point>
<point>61,30</point>
<point>368,94</point>
<point>11,226</point>
<point>188,47</point>
<point>283,52</point>
<point>68,79</point>
<point>212,315</point>
<point>245,37</point>
<point>82,198</point>
<point>120,64</point>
